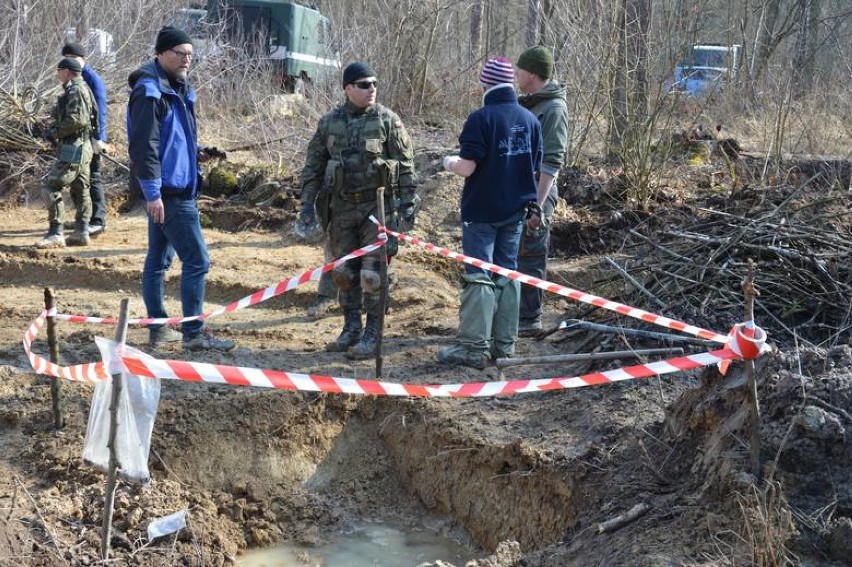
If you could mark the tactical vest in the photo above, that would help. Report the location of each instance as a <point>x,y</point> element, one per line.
<point>357,145</point>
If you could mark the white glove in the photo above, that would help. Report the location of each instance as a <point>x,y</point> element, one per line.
<point>450,163</point>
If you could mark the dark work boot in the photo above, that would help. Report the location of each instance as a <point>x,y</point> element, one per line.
<point>80,236</point>
<point>366,347</point>
<point>54,237</point>
<point>351,333</point>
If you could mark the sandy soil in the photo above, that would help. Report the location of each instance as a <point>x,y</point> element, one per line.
<point>255,467</point>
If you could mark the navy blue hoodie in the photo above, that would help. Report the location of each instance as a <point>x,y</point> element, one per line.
<point>504,139</point>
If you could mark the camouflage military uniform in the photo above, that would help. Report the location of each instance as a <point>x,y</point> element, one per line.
<point>353,152</point>
<point>71,127</point>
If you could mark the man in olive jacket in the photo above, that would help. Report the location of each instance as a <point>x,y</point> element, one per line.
<point>70,128</point>
<point>546,99</point>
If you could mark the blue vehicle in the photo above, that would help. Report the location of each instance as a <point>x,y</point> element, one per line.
<point>707,70</point>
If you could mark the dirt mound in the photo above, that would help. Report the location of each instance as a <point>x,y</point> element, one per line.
<point>527,479</point>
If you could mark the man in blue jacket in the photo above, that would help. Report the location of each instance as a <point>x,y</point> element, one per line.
<point>97,224</point>
<point>501,151</point>
<point>164,156</point>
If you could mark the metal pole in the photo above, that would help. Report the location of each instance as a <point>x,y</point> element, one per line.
<point>383,294</point>
<point>749,292</point>
<point>55,383</point>
<point>556,358</point>
<point>109,492</point>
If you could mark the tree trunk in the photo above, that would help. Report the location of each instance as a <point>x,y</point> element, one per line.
<point>629,95</point>
<point>476,9</point>
<point>533,22</point>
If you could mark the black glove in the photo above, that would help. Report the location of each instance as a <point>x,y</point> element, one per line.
<point>534,220</point>
<point>408,211</point>
<point>214,152</point>
<point>307,214</point>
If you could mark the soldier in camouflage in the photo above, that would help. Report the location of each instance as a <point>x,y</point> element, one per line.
<point>71,125</point>
<point>358,147</point>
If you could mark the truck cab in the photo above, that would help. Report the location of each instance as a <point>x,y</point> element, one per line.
<point>707,69</point>
<point>295,38</point>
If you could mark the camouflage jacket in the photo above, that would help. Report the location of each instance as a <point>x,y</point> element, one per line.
<point>74,114</point>
<point>361,141</point>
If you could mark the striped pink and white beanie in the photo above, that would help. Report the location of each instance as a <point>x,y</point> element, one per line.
<point>497,71</point>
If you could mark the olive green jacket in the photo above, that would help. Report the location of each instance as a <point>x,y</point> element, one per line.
<point>359,144</point>
<point>551,109</point>
<point>72,118</point>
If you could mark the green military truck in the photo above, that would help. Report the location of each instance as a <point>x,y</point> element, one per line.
<point>295,38</point>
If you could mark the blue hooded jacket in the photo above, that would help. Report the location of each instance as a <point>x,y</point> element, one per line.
<point>98,88</point>
<point>162,135</point>
<point>504,139</point>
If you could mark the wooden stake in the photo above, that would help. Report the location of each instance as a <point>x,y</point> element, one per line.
<point>109,492</point>
<point>55,383</point>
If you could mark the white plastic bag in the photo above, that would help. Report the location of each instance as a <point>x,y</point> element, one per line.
<point>167,525</point>
<point>137,410</point>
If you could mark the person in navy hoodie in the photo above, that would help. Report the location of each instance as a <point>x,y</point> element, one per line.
<point>164,156</point>
<point>97,223</point>
<point>500,154</point>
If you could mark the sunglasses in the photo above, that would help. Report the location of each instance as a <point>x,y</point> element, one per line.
<point>365,85</point>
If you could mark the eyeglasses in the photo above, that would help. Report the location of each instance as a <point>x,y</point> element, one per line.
<point>365,85</point>
<point>182,54</point>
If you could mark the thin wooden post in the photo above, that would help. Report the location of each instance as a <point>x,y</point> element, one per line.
<point>383,294</point>
<point>55,383</point>
<point>109,492</point>
<point>750,293</point>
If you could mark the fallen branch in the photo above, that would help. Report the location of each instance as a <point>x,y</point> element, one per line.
<point>620,521</point>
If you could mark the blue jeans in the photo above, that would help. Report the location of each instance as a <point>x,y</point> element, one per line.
<point>180,233</point>
<point>496,242</point>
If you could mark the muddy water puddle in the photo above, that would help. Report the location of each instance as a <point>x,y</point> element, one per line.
<point>367,545</point>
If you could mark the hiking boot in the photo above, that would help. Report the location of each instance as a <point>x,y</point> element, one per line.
<point>80,236</point>
<point>351,333</point>
<point>163,334</point>
<point>204,340</point>
<point>529,327</point>
<point>321,306</point>
<point>366,347</point>
<point>457,354</point>
<point>68,225</point>
<point>96,230</point>
<point>51,241</point>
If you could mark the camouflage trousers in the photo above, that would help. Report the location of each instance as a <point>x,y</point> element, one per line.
<point>76,177</point>
<point>358,280</point>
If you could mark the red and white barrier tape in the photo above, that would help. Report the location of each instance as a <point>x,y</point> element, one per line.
<point>90,372</point>
<point>247,301</point>
<point>745,340</point>
<point>564,291</point>
<point>132,361</point>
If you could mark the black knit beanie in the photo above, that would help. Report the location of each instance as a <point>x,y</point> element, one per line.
<point>74,49</point>
<point>356,71</point>
<point>170,37</point>
<point>537,60</point>
<point>70,64</point>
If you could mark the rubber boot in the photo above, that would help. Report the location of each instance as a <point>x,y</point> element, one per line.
<point>476,315</point>
<point>366,347</point>
<point>80,236</point>
<point>504,329</point>
<point>351,333</point>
